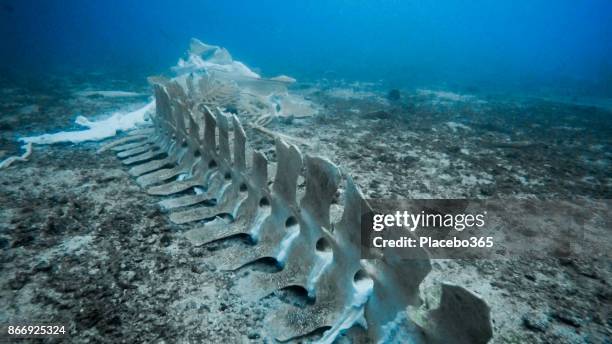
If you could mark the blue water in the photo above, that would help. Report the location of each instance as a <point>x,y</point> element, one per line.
<point>563,44</point>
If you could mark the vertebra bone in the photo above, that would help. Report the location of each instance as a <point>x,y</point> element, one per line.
<point>316,254</point>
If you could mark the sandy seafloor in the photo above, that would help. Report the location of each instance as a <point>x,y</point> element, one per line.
<point>81,243</point>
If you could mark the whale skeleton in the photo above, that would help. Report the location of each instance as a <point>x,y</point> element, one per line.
<point>196,159</point>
